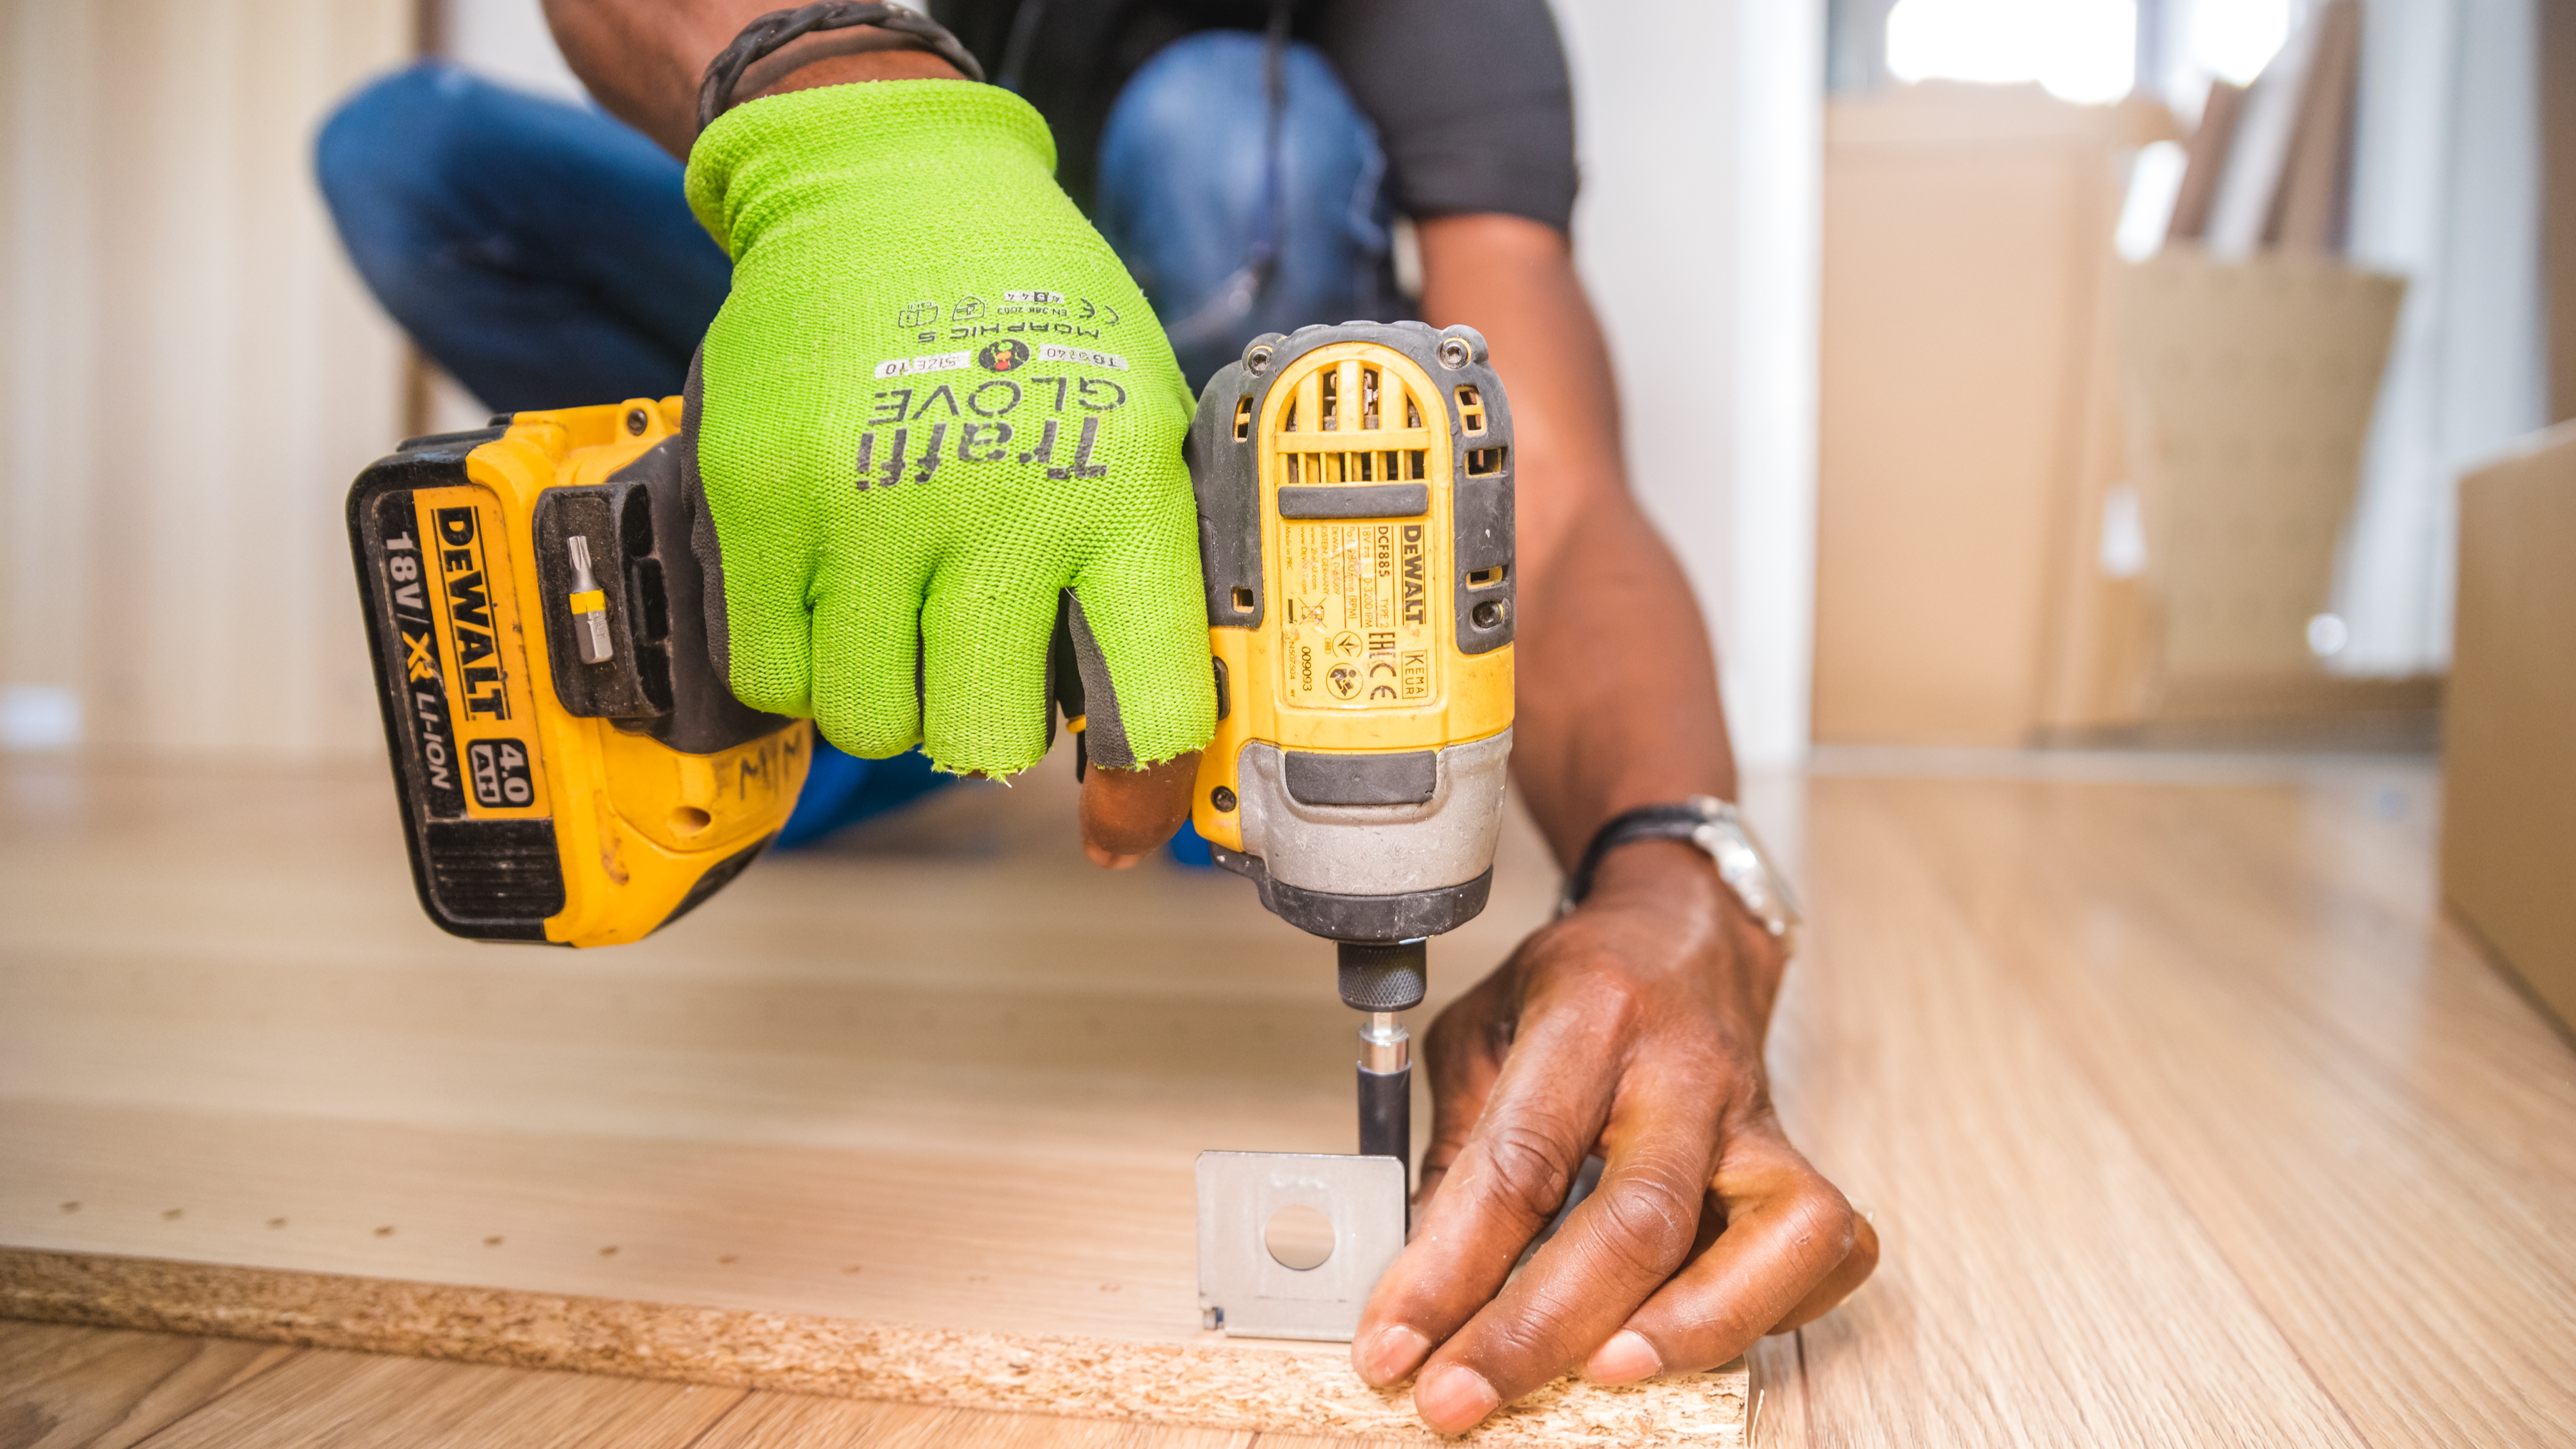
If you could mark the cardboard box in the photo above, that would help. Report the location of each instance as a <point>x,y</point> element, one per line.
<point>1966,386</point>
<point>2249,388</point>
<point>2001,394</point>
<point>2509,749</point>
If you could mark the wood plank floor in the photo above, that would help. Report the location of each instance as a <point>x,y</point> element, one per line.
<point>86,1388</point>
<point>2183,1114</point>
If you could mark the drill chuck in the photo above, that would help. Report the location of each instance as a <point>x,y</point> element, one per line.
<point>1390,976</point>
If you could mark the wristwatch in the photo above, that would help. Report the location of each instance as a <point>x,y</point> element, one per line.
<point>1720,831</point>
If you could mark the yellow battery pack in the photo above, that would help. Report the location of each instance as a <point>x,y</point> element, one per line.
<point>570,765</point>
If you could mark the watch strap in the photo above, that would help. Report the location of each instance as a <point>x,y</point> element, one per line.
<point>902,29</point>
<point>1715,829</point>
<point>1674,820</point>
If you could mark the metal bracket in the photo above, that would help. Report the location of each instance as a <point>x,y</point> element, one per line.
<point>1251,1294</point>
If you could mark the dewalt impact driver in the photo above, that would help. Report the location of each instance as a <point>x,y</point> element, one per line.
<point>1355,525</point>
<point>573,769</point>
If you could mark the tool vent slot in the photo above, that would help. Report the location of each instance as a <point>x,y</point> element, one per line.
<point>1484,462</point>
<point>1486,578</point>
<point>1243,418</point>
<point>1329,408</point>
<point>1369,384</point>
<point>1471,409</point>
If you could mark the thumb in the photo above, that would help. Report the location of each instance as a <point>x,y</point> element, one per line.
<point>1126,813</point>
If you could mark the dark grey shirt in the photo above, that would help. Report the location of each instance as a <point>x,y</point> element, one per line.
<point>1469,97</point>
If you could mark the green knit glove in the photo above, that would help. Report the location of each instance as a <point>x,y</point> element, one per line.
<point>933,404</point>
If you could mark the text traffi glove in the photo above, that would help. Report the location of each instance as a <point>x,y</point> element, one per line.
<point>934,402</point>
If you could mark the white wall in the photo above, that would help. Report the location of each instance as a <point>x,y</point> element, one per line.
<point>2446,192</point>
<point>1700,129</point>
<point>507,41</point>
<point>192,374</point>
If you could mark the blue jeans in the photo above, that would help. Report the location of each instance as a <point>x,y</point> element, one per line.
<point>544,254</point>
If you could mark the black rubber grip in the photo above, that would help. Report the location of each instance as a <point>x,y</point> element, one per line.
<point>1386,1115</point>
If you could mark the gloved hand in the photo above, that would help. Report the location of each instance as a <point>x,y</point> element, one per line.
<point>933,403</point>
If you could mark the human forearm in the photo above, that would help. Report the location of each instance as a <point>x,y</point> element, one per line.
<point>1618,701</point>
<point>643,59</point>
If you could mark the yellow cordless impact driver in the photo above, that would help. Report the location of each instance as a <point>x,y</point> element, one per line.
<point>1355,526</point>
<point>572,768</point>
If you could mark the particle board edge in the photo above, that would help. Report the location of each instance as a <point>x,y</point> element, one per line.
<point>1217,1386</point>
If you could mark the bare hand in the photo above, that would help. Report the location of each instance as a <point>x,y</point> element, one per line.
<point>1632,1028</point>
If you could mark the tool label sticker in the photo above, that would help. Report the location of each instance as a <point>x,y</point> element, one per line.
<point>501,774</point>
<point>405,576</point>
<point>913,366</point>
<point>1355,632</point>
<point>465,564</point>
<point>1051,352</point>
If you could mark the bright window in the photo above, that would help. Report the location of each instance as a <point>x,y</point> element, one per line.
<point>2231,39</point>
<point>2081,50</point>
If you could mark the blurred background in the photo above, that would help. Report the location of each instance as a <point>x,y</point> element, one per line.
<point>2006,371</point>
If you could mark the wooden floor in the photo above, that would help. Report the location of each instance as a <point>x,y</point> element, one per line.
<point>108,1389</point>
<point>2183,1115</point>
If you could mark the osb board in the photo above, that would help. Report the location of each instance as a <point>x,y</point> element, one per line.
<point>1216,1386</point>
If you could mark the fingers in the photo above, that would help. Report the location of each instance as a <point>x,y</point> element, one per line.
<point>1126,813</point>
<point>984,634</point>
<point>1792,1248</point>
<point>758,630</point>
<point>866,662</point>
<point>1139,625</point>
<point>1463,1053</point>
<point>1839,1284</point>
<point>769,639</point>
<point>1613,1252</point>
<point>1543,1113</point>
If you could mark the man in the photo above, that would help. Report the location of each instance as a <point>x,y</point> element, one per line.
<point>1243,159</point>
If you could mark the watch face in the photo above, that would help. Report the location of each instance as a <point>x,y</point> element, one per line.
<point>1747,871</point>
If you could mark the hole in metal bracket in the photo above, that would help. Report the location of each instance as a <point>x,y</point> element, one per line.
<point>1299,1237</point>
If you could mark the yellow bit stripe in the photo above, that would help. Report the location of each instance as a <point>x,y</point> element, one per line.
<point>590,601</point>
